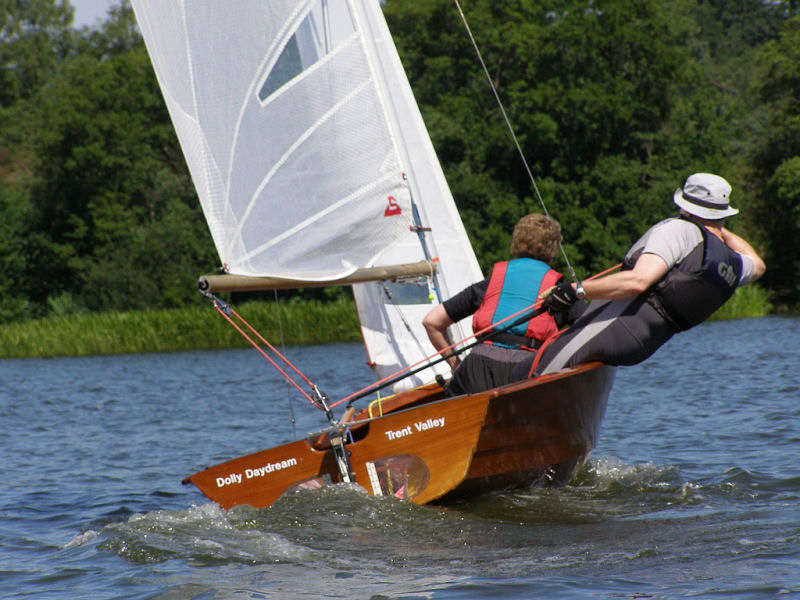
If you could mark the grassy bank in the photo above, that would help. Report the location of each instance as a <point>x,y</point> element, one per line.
<point>201,328</point>
<point>747,301</point>
<point>195,328</point>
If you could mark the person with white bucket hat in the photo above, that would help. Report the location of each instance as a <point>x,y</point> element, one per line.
<point>674,277</point>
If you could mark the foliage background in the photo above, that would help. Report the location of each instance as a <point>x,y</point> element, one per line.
<point>615,103</point>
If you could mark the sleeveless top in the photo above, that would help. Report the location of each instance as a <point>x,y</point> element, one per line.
<point>513,286</point>
<point>696,287</point>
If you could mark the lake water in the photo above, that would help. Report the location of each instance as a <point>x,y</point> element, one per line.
<point>692,492</point>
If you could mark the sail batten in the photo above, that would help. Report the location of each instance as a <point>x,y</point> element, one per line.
<point>304,137</point>
<point>296,229</point>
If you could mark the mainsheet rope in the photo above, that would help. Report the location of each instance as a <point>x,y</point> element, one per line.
<point>441,355</point>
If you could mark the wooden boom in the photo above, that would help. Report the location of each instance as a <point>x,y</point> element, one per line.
<point>245,283</point>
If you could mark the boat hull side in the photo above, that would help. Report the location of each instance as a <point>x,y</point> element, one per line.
<point>255,480</point>
<point>539,431</point>
<point>534,432</point>
<point>442,435</point>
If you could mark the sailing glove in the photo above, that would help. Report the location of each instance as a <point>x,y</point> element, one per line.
<point>560,299</point>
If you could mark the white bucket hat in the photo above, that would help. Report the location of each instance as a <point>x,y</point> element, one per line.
<point>706,196</point>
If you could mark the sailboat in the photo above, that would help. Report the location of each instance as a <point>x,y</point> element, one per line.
<point>314,168</point>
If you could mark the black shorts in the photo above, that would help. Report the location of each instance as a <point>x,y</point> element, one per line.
<point>487,366</point>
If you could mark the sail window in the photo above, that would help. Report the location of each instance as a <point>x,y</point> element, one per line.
<point>325,27</point>
<point>417,291</point>
<point>402,476</point>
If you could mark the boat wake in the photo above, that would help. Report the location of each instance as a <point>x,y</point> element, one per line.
<point>308,526</point>
<point>204,533</point>
<point>333,527</point>
<point>607,489</point>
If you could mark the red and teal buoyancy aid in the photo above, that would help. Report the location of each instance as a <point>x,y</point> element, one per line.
<point>513,286</point>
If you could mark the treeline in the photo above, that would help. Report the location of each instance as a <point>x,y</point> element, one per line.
<point>614,102</point>
<point>97,209</point>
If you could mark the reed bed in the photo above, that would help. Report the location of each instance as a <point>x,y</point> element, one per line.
<point>195,328</point>
<point>202,328</point>
<point>747,301</point>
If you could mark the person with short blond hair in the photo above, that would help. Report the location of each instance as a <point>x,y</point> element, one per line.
<point>536,236</point>
<point>512,286</point>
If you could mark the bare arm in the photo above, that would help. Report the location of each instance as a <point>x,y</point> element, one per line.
<point>436,323</point>
<point>648,270</point>
<point>738,244</point>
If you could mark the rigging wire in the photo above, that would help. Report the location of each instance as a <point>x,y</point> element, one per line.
<point>511,130</point>
<point>283,347</point>
<point>387,292</point>
<point>226,311</point>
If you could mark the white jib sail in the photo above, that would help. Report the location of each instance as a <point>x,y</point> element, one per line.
<point>307,148</point>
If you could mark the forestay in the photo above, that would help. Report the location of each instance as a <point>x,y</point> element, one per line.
<point>308,152</point>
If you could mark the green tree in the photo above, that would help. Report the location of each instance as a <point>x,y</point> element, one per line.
<point>731,27</point>
<point>14,229</point>
<point>113,197</point>
<point>35,35</point>
<point>118,34</point>
<point>584,87</point>
<point>777,162</point>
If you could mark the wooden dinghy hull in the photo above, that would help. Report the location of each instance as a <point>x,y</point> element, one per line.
<point>538,432</point>
<point>426,448</point>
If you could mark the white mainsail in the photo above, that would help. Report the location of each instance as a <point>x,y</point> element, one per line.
<point>309,154</point>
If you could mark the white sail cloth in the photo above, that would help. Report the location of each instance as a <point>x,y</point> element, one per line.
<point>306,148</point>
